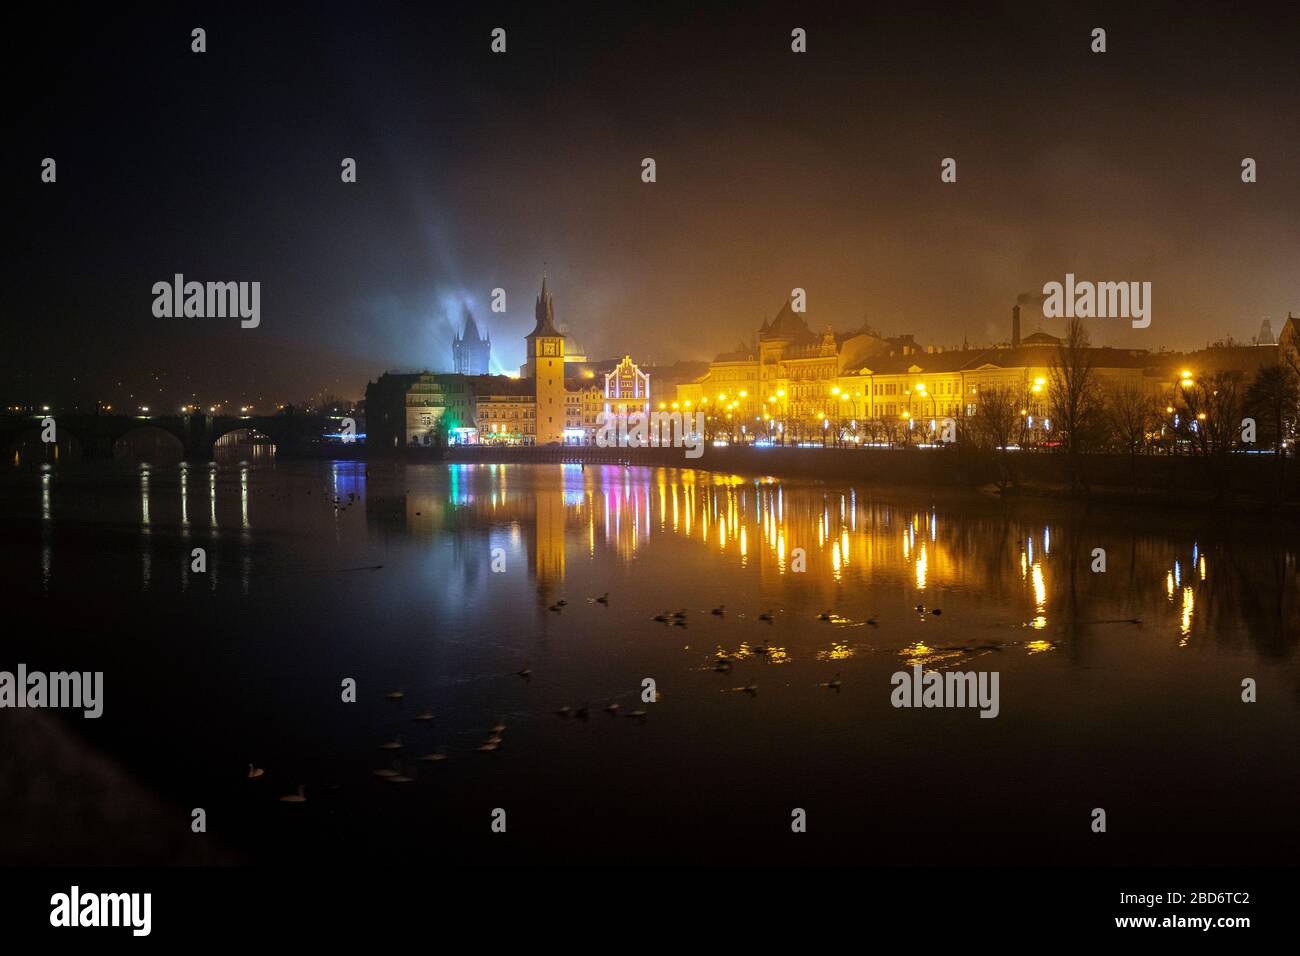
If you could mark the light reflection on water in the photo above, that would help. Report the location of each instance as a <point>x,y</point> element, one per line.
<point>383,572</point>
<point>838,540</point>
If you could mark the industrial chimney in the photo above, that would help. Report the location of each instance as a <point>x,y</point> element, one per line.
<point>1015,326</point>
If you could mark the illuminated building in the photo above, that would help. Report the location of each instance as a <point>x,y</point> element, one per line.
<point>504,410</point>
<point>546,368</point>
<point>584,405</point>
<point>796,386</point>
<point>404,409</point>
<point>627,391</point>
<point>471,352</point>
<point>627,388</point>
<point>785,387</point>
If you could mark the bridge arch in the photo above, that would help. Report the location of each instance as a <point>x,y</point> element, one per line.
<point>148,442</point>
<point>243,443</point>
<point>23,447</point>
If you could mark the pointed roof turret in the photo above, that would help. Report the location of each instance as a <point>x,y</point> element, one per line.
<point>544,313</point>
<point>788,325</point>
<point>471,329</point>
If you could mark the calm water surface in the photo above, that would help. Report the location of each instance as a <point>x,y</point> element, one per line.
<point>1118,690</point>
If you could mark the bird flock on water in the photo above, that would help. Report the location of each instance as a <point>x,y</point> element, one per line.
<point>401,772</point>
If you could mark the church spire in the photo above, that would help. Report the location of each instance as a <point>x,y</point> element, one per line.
<point>471,350</point>
<point>471,330</point>
<point>544,312</point>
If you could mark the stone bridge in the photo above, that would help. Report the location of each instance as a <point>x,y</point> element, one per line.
<point>197,433</point>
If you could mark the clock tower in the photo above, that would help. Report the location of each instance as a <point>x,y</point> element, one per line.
<point>546,358</point>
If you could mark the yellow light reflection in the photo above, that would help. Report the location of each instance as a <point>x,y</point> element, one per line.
<point>1040,598</point>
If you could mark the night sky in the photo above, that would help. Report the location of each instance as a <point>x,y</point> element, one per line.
<point>477,170</point>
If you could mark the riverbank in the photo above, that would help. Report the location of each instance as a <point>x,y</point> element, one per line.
<point>1249,482</point>
<point>1241,483</point>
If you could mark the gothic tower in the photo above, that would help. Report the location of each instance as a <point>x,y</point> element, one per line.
<point>471,352</point>
<point>546,356</point>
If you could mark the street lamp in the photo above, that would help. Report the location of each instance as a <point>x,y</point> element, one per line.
<point>933,408</point>
<point>778,410</point>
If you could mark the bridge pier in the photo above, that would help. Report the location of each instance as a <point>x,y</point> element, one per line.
<point>97,433</point>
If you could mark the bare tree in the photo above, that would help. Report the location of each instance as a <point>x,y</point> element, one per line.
<point>1210,411</point>
<point>996,419</point>
<point>1273,398</point>
<point>1132,413</point>
<point>1075,397</point>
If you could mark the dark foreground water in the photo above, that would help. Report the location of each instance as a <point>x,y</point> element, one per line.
<point>1118,690</point>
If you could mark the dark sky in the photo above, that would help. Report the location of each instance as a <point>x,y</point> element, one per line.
<point>775,170</point>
